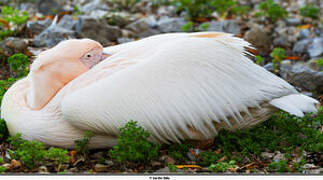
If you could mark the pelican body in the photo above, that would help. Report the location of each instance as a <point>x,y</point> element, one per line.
<point>178,86</point>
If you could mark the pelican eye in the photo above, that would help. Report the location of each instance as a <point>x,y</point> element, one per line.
<point>88,55</point>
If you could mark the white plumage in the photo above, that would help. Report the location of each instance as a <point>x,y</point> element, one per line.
<point>178,86</point>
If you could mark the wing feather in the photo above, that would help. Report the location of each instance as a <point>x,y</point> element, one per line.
<point>173,87</point>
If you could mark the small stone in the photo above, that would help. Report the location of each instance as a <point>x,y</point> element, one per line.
<point>109,162</point>
<point>93,6</point>
<point>12,45</point>
<point>36,27</point>
<point>99,30</point>
<point>52,36</point>
<point>124,40</point>
<point>267,155</point>
<point>293,21</point>
<point>101,168</point>
<point>314,171</point>
<point>301,46</point>
<point>313,65</point>
<point>49,6</point>
<point>98,155</point>
<point>155,163</point>
<point>316,48</point>
<point>43,170</point>
<point>167,159</point>
<point>269,66</point>
<point>229,26</point>
<point>259,38</point>
<point>67,22</point>
<point>309,166</point>
<point>304,34</point>
<point>167,24</point>
<point>302,76</point>
<point>279,157</point>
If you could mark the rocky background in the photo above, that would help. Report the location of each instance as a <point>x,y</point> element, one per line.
<point>289,40</point>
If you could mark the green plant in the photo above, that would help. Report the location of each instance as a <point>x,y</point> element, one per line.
<point>12,19</point>
<point>179,151</point>
<point>188,26</point>
<point>3,129</point>
<point>195,9</point>
<point>2,169</point>
<point>19,64</point>
<point>283,132</point>
<point>259,59</point>
<point>58,156</point>
<point>271,10</point>
<point>205,26</point>
<point>226,7</point>
<point>207,158</point>
<point>298,166</point>
<point>30,153</point>
<point>133,145</point>
<point>172,167</point>
<point>279,166</point>
<point>278,54</point>
<point>222,166</point>
<point>311,11</point>
<point>4,85</point>
<point>319,62</point>
<point>81,145</point>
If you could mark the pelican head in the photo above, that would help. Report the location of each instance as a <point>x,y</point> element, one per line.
<point>57,66</point>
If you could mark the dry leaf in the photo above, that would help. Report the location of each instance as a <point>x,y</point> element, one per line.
<point>187,166</point>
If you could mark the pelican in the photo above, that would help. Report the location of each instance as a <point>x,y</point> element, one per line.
<point>178,86</point>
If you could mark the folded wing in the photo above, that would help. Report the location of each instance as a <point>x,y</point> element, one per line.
<point>172,86</point>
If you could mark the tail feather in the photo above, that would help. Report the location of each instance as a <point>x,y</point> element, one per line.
<point>296,104</point>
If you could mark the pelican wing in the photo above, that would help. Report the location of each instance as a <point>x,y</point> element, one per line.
<point>173,87</point>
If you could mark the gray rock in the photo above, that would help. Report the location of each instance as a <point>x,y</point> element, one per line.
<point>98,155</point>
<point>301,46</point>
<point>293,21</point>
<point>93,6</point>
<point>316,48</point>
<point>36,27</point>
<point>144,27</point>
<point>267,155</point>
<point>309,166</point>
<point>229,26</point>
<point>285,36</point>
<point>279,157</point>
<point>50,6</point>
<point>168,24</point>
<point>166,170</point>
<point>269,66</point>
<point>101,168</point>
<point>314,171</point>
<point>99,30</point>
<point>313,65</point>
<point>67,22</point>
<point>12,45</point>
<point>302,76</point>
<point>304,34</point>
<point>98,14</point>
<point>43,170</point>
<point>259,38</point>
<point>143,24</point>
<point>109,162</point>
<point>52,36</point>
